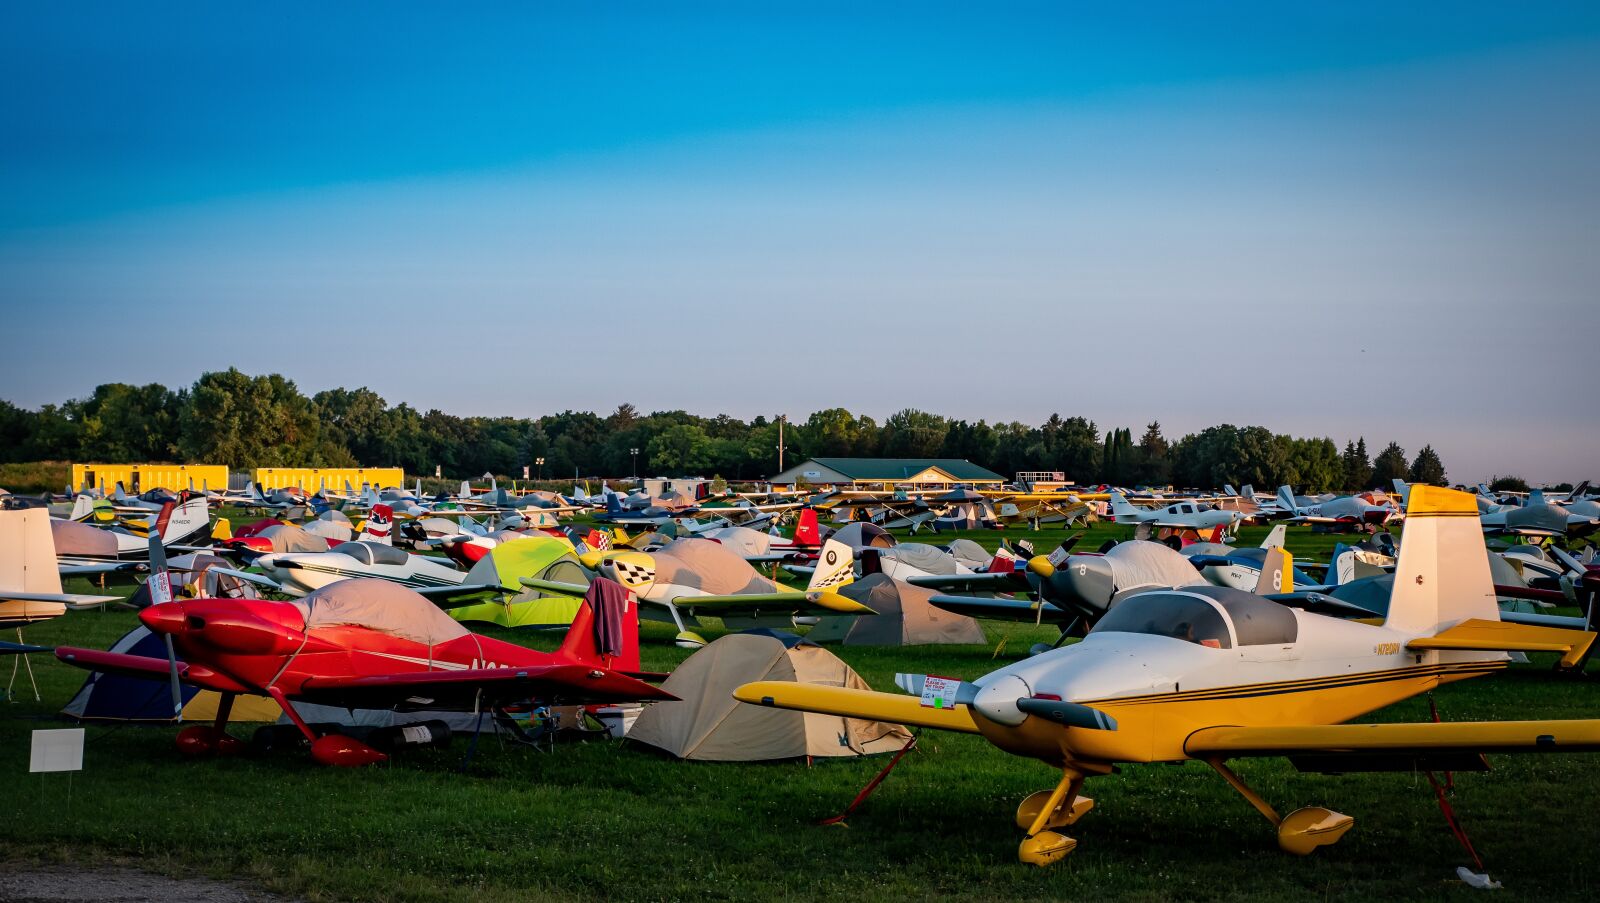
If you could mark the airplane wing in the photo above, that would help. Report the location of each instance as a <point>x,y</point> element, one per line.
<point>1015,581</point>
<point>74,567</point>
<point>257,579</point>
<point>464,594</point>
<point>20,648</point>
<point>100,661</point>
<point>755,604</point>
<point>476,687</point>
<point>1003,609</point>
<point>73,601</point>
<point>1458,745</point>
<point>896,708</point>
<point>1499,636</point>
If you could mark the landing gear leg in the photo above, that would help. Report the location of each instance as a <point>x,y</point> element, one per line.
<point>329,749</point>
<point>686,638</point>
<point>208,739</point>
<point>1049,809</point>
<point>1303,830</point>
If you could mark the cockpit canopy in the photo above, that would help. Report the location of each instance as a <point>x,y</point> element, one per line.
<point>1217,617</point>
<point>371,552</point>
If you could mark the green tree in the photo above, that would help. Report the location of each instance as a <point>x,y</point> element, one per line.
<point>911,433</point>
<point>1508,484</point>
<point>1389,466</point>
<point>1356,466</point>
<point>681,449</point>
<point>1155,464</point>
<point>1427,468</point>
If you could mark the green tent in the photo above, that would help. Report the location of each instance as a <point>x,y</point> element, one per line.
<point>540,557</point>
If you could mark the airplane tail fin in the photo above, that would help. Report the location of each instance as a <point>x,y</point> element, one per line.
<point>1249,492</point>
<point>605,632</point>
<point>836,566</point>
<point>1442,577</point>
<point>1228,490</point>
<point>1286,500</point>
<point>1122,512</point>
<point>806,530</point>
<point>1277,573</point>
<point>1276,537</point>
<point>1341,566</point>
<point>82,507</point>
<point>1402,489</point>
<point>465,491</point>
<point>1536,497</point>
<point>187,520</point>
<point>119,494</point>
<point>379,525</point>
<point>613,503</point>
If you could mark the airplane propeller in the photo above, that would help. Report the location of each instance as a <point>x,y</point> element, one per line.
<point>160,587</point>
<point>1070,714</point>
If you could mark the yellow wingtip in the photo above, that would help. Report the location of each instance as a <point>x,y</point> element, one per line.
<point>838,603</point>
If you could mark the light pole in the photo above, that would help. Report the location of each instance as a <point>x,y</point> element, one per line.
<point>540,462</point>
<point>635,453</point>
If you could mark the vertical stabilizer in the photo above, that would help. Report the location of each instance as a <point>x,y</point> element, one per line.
<point>1276,537</point>
<point>1442,577</point>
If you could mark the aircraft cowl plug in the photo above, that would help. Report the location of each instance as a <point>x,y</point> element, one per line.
<point>997,700</point>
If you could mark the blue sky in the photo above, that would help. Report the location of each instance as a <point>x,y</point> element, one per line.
<point>1338,221</point>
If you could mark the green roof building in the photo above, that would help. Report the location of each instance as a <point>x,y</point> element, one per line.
<point>887,472</point>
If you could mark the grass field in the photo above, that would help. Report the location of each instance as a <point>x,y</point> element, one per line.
<point>618,821</point>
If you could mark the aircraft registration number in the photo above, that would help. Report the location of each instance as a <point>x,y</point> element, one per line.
<point>1386,649</point>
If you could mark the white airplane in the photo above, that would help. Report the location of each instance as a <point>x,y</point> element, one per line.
<point>1353,511</point>
<point>1187,515</point>
<point>30,583</point>
<point>301,573</point>
<point>84,549</point>
<point>1212,673</point>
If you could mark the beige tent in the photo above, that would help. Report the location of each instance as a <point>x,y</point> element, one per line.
<point>904,617</point>
<point>710,725</point>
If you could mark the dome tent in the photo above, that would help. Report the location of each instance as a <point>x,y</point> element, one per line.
<point>708,724</point>
<point>904,617</point>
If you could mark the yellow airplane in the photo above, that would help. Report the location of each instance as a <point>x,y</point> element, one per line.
<point>1214,673</point>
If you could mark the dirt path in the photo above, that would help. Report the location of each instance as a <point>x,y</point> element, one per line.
<point>113,884</point>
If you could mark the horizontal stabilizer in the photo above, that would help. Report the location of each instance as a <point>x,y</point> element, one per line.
<point>1499,636</point>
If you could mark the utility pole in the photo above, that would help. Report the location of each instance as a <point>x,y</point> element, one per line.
<point>781,419</point>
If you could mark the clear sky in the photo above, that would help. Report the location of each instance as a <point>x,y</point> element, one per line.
<point>1329,219</point>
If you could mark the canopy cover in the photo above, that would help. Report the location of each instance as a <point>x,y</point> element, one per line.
<point>382,606</point>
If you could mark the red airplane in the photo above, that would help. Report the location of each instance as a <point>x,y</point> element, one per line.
<point>374,644</point>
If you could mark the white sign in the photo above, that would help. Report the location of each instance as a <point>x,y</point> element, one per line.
<point>812,474</point>
<point>57,750</point>
<point>939,692</point>
<point>524,471</point>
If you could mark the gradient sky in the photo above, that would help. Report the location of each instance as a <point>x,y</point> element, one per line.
<point>1352,219</point>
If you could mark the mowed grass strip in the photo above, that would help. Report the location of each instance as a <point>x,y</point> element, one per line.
<point>619,821</point>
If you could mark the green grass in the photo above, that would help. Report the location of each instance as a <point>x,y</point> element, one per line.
<point>618,821</point>
<point>35,477</point>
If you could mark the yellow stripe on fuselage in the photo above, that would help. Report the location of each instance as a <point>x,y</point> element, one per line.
<point>1153,728</point>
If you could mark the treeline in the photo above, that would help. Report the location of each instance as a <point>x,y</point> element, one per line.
<point>265,421</point>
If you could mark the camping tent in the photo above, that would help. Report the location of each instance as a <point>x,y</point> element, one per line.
<point>708,724</point>
<point>861,535</point>
<point>539,557</point>
<point>904,617</point>
<point>114,697</point>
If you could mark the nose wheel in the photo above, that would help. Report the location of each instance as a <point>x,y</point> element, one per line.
<point>1047,810</point>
